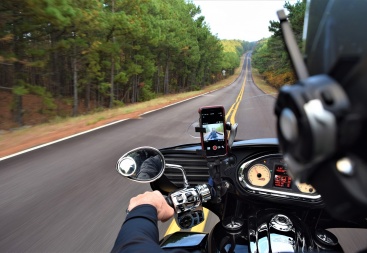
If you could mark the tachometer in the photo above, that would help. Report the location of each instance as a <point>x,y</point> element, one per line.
<point>259,175</point>
<point>305,188</point>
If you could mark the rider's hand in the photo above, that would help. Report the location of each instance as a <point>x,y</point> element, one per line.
<point>156,199</point>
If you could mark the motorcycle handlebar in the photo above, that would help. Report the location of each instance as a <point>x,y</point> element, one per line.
<point>169,201</point>
<point>183,197</point>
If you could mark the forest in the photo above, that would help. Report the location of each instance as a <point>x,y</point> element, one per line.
<point>270,56</point>
<point>106,53</point>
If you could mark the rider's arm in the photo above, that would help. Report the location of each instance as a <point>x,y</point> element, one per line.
<point>139,233</point>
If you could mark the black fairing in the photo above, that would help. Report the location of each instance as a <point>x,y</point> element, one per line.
<point>247,215</point>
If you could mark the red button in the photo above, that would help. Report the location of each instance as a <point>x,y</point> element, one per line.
<point>214,147</point>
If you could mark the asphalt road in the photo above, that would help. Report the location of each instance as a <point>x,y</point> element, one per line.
<point>67,197</point>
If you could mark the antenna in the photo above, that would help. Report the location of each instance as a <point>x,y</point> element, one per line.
<point>294,52</point>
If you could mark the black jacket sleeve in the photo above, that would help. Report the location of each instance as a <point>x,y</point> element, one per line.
<point>150,168</point>
<point>139,232</point>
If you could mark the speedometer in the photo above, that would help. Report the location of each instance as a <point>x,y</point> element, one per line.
<point>259,175</point>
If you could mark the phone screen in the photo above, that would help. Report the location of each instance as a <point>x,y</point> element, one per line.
<point>214,140</point>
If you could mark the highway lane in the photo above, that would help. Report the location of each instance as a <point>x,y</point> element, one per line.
<point>67,197</point>
<point>256,110</point>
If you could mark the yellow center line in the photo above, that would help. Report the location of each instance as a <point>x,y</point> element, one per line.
<point>233,110</point>
<point>229,111</point>
<point>173,227</point>
<point>237,103</point>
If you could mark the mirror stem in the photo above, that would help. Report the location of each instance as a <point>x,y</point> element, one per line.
<point>179,167</point>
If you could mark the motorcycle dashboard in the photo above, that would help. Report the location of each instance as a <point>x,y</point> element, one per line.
<point>268,176</point>
<point>251,158</point>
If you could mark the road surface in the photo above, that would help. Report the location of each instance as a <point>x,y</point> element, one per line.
<point>67,197</point>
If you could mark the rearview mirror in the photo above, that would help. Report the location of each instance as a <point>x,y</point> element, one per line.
<point>144,164</point>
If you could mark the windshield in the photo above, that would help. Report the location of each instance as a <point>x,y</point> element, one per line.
<point>83,82</point>
<point>247,102</point>
<point>254,108</point>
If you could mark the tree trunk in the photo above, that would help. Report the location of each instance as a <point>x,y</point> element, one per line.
<point>64,68</point>
<point>133,90</point>
<point>55,62</point>
<point>134,94</point>
<point>112,96</point>
<point>137,88</point>
<point>18,76</point>
<point>87,97</point>
<point>18,109</point>
<point>158,80</point>
<point>75,82</point>
<point>126,96</point>
<point>166,79</point>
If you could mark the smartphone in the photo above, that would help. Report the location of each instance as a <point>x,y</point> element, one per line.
<point>214,140</point>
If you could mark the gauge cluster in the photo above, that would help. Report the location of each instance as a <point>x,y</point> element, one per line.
<point>268,175</point>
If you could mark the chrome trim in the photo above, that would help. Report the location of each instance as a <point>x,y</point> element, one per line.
<point>118,167</point>
<point>242,181</point>
<point>179,167</point>
<point>204,192</point>
<point>281,222</point>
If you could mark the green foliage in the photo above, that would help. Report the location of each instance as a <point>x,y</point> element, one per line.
<point>146,92</point>
<point>232,52</point>
<point>121,78</point>
<point>270,56</point>
<point>20,90</point>
<point>118,103</point>
<point>104,88</point>
<point>195,87</point>
<point>123,50</point>
<point>47,99</point>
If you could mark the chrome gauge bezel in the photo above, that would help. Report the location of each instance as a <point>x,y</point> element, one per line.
<point>264,169</point>
<point>299,186</point>
<point>242,178</point>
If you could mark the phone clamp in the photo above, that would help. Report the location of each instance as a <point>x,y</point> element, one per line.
<point>200,152</point>
<point>232,128</point>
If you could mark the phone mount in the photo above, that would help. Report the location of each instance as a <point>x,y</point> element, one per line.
<point>219,164</point>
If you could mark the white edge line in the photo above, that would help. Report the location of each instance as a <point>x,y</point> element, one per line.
<point>59,140</point>
<point>94,129</point>
<point>91,130</point>
<point>179,102</point>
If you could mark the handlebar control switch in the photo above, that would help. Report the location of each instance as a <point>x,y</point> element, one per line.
<point>190,219</point>
<point>188,207</point>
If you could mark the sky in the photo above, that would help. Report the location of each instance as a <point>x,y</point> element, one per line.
<point>240,19</point>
